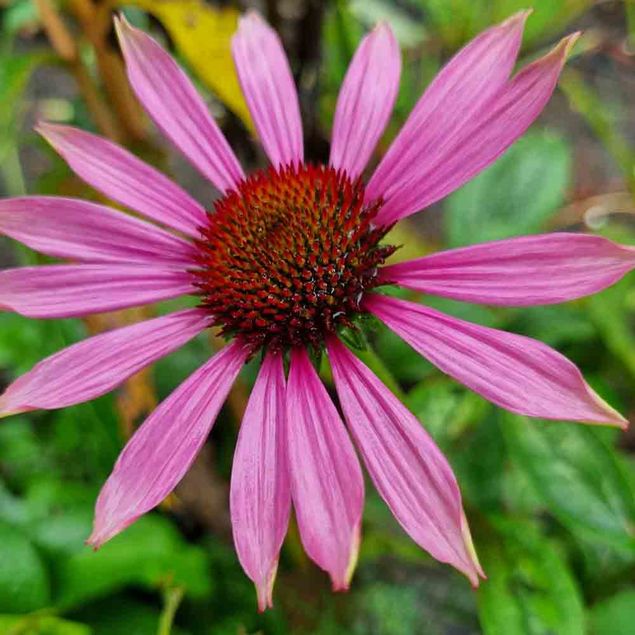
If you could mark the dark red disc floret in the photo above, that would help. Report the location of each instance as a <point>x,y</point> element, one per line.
<point>286,257</point>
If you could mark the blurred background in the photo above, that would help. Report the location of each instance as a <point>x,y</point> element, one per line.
<point>551,504</point>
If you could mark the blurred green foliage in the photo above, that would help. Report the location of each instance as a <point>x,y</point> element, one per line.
<point>551,503</point>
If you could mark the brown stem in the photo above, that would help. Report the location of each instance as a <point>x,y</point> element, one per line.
<point>96,24</point>
<point>64,45</point>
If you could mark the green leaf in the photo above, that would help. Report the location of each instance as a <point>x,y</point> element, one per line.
<point>614,321</point>
<point>149,553</point>
<point>389,610</point>
<point>479,458</point>
<point>548,17</point>
<point>514,196</point>
<point>15,71</point>
<point>402,599</point>
<point>459,20</point>
<point>445,408</point>
<point>406,364</point>
<point>530,589</point>
<point>614,616</point>
<point>555,325</point>
<point>121,615</point>
<point>19,14</point>
<point>21,457</point>
<point>24,582</point>
<point>407,31</point>
<point>40,625</point>
<point>577,476</point>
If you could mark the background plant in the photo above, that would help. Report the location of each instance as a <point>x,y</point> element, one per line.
<point>552,504</point>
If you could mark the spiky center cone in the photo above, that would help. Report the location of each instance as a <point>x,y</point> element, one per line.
<point>286,257</point>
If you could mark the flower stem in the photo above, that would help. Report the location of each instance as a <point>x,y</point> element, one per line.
<point>171,600</point>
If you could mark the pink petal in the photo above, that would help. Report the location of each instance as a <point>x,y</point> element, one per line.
<point>178,110</point>
<point>163,448</point>
<point>260,497</point>
<point>122,177</point>
<point>518,272</point>
<point>326,480</point>
<point>514,372</point>
<point>479,140</point>
<point>468,82</point>
<point>98,364</point>
<point>56,291</point>
<point>365,101</point>
<point>267,83</point>
<point>408,469</point>
<point>505,119</point>
<point>72,228</point>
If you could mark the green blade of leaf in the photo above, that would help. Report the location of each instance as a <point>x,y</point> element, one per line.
<point>530,589</point>
<point>577,476</point>
<point>514,196</point>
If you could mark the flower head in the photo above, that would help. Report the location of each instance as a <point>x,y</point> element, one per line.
<point>285,259</point>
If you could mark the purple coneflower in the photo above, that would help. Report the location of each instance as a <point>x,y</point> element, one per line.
<point>289,257</point>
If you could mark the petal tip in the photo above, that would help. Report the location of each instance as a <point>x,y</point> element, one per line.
<point>474,570</point>
<point>383,33</point>
<point>43,127</point>
<point>264,589</point>
<point>382,26</point>
<point>265,600</point>
<point>621,422</point>
<point>8,410</point>
<point>342,583</point>
<point>118,19</point>
<point>518,19</point>
<point>562,49</point>
<point>105,531</point>
<point>607,414</point>
<point>95,540</point>
<point>53,133</point>
<point>570,41</point>
<point>251,19</point>
<point>124,30</point>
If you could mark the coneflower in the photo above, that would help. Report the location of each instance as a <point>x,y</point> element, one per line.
<point>288,257</point>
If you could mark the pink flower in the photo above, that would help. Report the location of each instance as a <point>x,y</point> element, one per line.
<point>289,256</point>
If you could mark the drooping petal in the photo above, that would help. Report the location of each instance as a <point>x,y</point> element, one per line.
<point>326,480</point>
<point>365,101</point>
<point>177,109</point>
<point>512,371</point>
<point>260,497</point>
<point>267,83</point>
<point>124,178</point>
<point>57,291</point>
<point>72,228</point>
<point>408,469</point>
<point>99,364</point>
<point>525,271</point>
<point>468,82</point>
<point>163,448</point>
